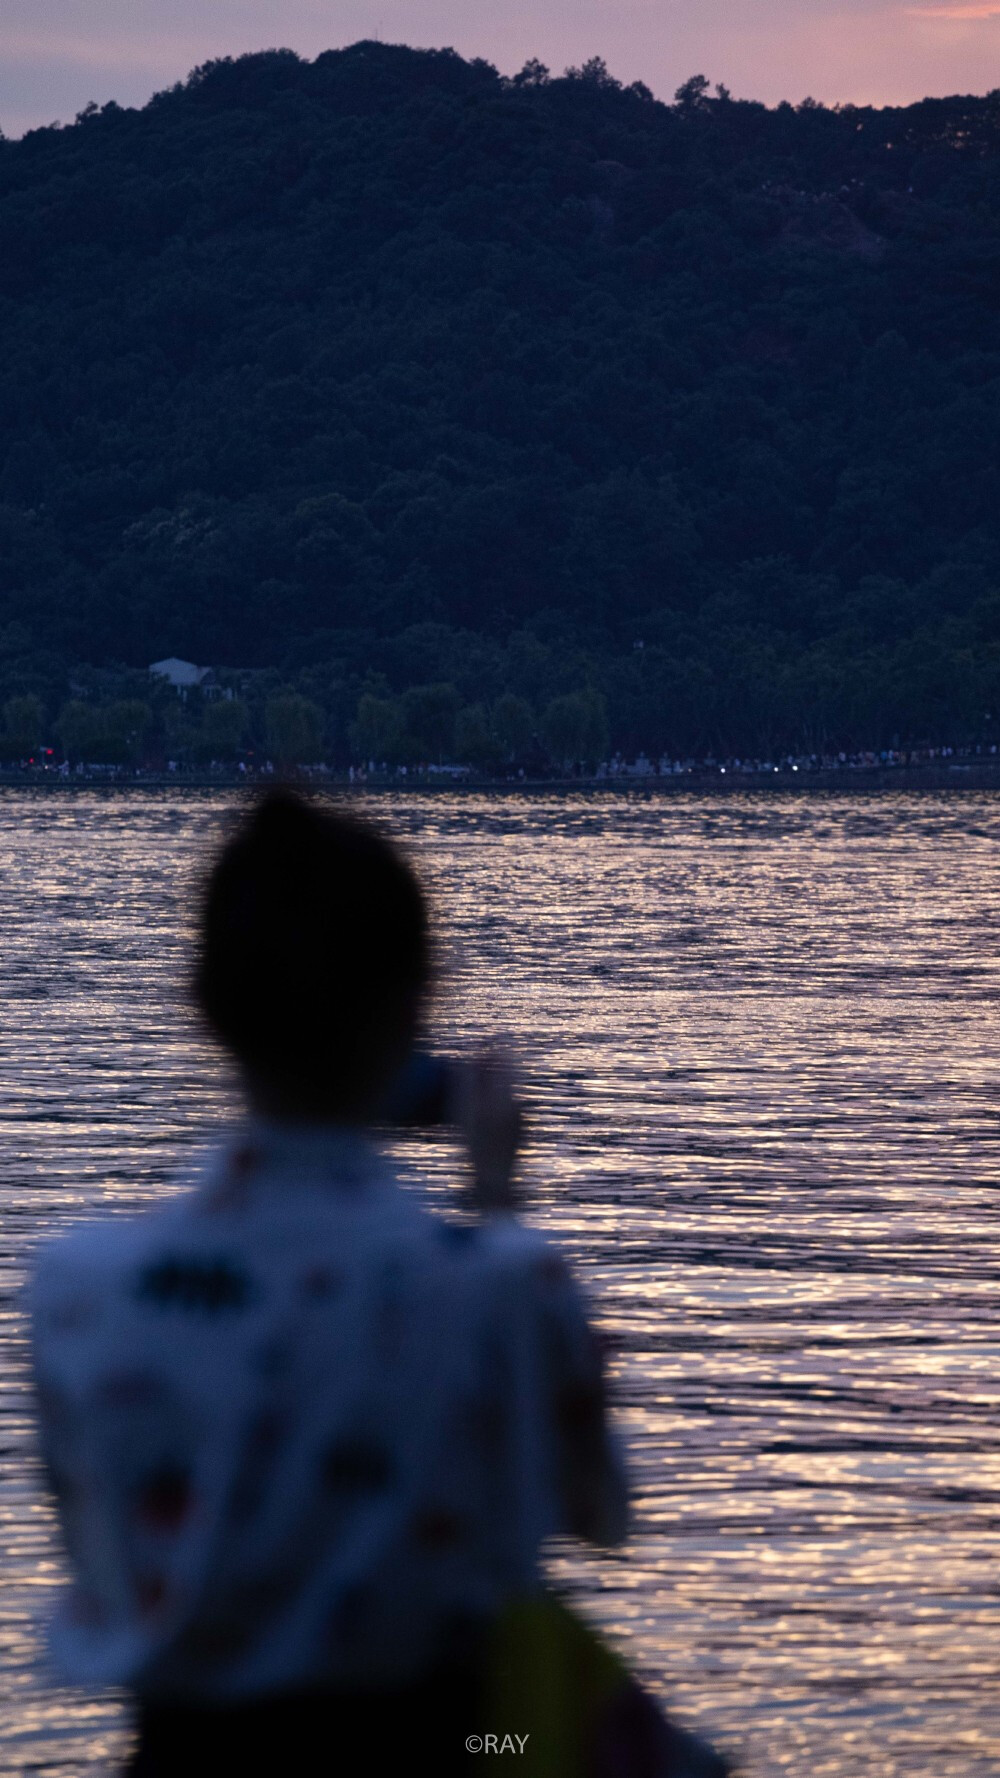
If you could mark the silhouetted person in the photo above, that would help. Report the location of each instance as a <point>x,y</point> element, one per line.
<point>305,1437</point>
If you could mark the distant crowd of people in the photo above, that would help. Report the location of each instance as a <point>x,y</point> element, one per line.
<point>856,760</point>
<point>618,767</point>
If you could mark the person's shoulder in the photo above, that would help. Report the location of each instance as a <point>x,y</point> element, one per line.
<point>523,1258</point>
<point>99,1250</point>
<point>518,1242</point>
<point>494,1245</point>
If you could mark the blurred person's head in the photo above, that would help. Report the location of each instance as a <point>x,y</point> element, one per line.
<point>314,959</point>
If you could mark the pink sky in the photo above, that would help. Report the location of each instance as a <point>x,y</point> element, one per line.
<point>55,55</point>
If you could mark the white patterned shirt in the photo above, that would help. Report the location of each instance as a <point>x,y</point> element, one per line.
<point>302,1432</point>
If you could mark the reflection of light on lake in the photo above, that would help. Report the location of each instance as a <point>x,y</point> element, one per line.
<point>758,1035</point>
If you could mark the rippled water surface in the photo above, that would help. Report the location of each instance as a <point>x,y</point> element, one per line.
<point>760,1035</point>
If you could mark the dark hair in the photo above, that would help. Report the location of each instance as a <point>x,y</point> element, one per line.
<point>314,948</point>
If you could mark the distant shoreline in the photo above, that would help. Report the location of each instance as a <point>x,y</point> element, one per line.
<point>860,780</point>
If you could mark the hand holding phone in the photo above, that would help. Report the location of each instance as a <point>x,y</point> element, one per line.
<point>491,1118</point>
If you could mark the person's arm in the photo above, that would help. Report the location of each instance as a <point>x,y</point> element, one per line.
<point>590,1472</point>
<point>59,1306</point>
<point>492,1120</point>
<point>590,1482</point>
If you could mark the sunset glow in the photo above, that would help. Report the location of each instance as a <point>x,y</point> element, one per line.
<point>975,13</point>
<point>60,54</point>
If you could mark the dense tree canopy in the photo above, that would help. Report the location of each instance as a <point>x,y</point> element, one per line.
<point>480,414</point>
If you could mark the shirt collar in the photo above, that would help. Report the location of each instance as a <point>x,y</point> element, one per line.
<point>338,1153</point>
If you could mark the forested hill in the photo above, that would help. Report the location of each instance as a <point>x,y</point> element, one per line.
<point>385,372</point>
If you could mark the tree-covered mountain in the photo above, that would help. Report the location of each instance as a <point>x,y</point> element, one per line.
<point>450,398</point>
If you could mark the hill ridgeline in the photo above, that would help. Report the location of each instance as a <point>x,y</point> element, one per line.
<point>487,415</point>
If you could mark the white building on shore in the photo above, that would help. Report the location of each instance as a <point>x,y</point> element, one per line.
<point>185,677</point>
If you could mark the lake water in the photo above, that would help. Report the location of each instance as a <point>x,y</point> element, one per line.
<point>760,1038</point>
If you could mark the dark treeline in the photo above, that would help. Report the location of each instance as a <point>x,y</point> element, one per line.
<point>482,415</point>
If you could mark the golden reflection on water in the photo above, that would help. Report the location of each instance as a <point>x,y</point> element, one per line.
<point>759,1037</point>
